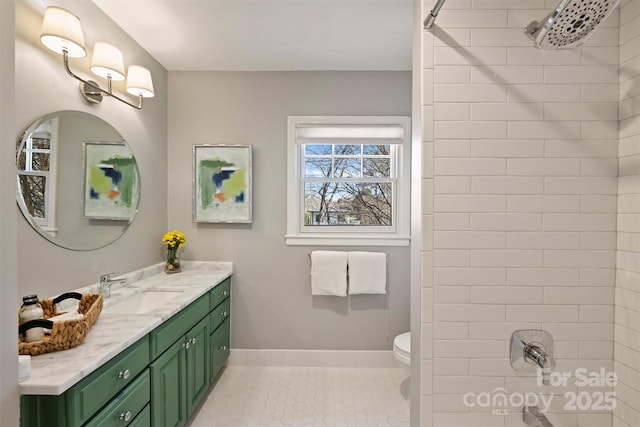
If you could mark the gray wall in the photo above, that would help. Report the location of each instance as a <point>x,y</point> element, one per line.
<point>42,86</point>
<point>272,305</point>
<point>8,281</point>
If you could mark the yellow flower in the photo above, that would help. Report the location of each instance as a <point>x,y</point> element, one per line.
<point>174,239</point>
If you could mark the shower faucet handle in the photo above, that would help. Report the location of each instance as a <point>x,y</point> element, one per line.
<point>538,356</point>
<point>532,349</point>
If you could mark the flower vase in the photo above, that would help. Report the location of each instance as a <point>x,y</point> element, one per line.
<point>172,264</point>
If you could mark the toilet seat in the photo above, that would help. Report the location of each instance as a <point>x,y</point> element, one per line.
<point>402,347</point>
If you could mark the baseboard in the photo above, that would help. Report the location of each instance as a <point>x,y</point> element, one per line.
<point>313,358</point>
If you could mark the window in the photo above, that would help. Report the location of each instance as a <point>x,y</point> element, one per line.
<point>36,164</point>
<point>348,181</point>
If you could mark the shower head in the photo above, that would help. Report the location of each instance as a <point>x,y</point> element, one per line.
<point>570,24</point>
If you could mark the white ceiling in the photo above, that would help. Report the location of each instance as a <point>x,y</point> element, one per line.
<point>269,35</point>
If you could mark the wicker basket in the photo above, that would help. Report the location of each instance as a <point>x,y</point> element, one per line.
<point>64,334</point>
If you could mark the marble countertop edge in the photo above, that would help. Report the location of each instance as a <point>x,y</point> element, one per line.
<point>54,373</point>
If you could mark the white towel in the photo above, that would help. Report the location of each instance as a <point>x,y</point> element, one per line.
<point>329,273</point>
<point>70,315</point>
<point>367,273</point>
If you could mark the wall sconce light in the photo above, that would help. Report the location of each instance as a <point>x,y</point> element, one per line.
<point>62,33</point>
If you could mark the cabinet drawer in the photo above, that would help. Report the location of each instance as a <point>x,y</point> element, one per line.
<point>143,419</point>
<point>124,408</point>
<point>93,392</point>
<point>174,328</point>
<point>220,293</point>
<point>220,343</point>
<point>220,313</point>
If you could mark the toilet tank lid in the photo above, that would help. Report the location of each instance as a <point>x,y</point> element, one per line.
<point>403,342</point>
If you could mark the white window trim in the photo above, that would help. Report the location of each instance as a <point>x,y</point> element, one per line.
<point>49,222</point>
<point>401,223</point>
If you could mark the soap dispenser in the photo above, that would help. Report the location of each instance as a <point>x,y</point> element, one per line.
<point>31,310</point>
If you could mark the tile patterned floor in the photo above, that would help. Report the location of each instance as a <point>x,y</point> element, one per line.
<point>322,397</point>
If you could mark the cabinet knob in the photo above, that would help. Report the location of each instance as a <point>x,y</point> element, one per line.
<point>193,341</point>
<point>224,314</point>
<point>126,416</point>
<point>223,348</point>
<point>124,374</point>
<point>187,345</point>
<point>225,293</point>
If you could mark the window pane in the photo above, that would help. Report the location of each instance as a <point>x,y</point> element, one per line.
<point>40,161</point>
<point>317,149</point>
<point>316,197</point>
<point>347,168</point>
<point>347,150</point>
<point>33,188</point>
<point>21,162</point>
<point>377,150</point>
<point>316,168</point>
<point>40,143</point>
<point>376,168</point>
<point>358,204</point>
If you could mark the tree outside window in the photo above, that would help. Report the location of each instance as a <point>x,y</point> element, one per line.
<point>347,184</point>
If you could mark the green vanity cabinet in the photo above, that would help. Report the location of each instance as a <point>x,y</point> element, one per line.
<point>181,376</point>
<point>78,404</point>
<point>159,381</point>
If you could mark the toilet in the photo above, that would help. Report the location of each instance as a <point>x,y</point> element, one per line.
<point>402,350</point>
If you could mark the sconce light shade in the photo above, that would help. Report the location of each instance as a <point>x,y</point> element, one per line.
<point>107,61</point>
<point>139,81</point>
<point>61,31</point>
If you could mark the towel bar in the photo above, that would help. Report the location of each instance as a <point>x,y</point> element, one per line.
<point>388,290</point>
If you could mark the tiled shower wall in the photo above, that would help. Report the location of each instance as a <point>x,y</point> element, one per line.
<point>627,299</point>
<point>519,212</point>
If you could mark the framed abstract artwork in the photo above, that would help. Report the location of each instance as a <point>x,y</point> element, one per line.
<point>222,183</point>
<point>111,181</point>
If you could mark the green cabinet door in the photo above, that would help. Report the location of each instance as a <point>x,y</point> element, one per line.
<point>168,387</point>
<point>219,347</point>
<point>197,364</point>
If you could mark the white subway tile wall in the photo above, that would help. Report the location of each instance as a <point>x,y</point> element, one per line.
<point>524,175</point>
<point>627,296</point>
<point>459,111</point>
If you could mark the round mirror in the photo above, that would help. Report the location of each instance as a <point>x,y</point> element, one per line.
<point>78,182</point>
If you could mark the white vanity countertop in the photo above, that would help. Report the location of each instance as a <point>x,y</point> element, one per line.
<point>54,373</point>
